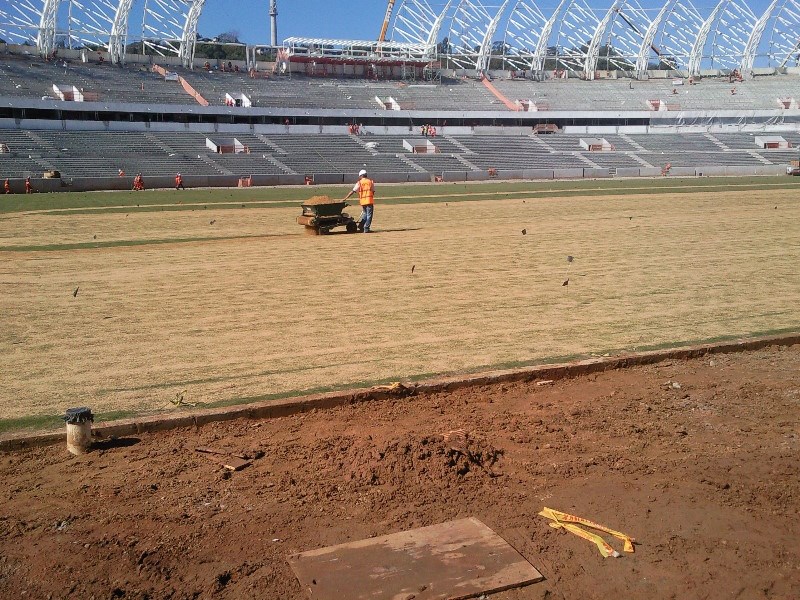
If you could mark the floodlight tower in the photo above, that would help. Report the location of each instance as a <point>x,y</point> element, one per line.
<point>273,22</point>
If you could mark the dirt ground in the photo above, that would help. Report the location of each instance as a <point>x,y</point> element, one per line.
<point>235,318</point>
<point>695,459</point>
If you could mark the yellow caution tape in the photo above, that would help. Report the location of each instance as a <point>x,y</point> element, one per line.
<point>569,522</point>
<point>392,387</point>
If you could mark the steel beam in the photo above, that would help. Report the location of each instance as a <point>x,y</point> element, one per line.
<point>540,53</point>
<point>671,35</point>
<point>593,51</point>
<point>484,55</point>
<point>189,36</point>
<point>118,37</point>
<point>430,41</point>
<point>46,38</point>
<point>524,29</point>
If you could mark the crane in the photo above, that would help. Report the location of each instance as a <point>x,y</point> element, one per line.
<point>386,18</point>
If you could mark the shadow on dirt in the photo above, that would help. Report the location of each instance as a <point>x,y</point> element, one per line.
<point>396,230</point>
<point>112,443</point>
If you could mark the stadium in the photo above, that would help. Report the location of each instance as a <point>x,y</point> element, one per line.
<point>580,295</point>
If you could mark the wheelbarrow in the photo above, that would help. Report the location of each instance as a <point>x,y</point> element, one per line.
<point>321,214</point>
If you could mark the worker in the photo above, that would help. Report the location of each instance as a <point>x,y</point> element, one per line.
<point>138,182</point>
<point>179,182</point>
<point>121,173</point>
<point>28,186</point>
<point>366,198</point>
<point>6,186</point>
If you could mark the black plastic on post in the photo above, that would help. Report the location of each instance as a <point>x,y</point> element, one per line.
<point>78,415</point>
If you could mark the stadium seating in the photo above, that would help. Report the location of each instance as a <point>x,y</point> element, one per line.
<point>307,154</point>
<point>88,153</point>
<point>625,94</point>
<point>297,152</point>
<point>34,78</point>
<point>29,76</point>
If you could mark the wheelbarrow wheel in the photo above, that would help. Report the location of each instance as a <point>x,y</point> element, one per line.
<point>352,227</point>
<point>311,230</point>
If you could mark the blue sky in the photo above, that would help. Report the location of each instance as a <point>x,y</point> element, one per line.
<point>358,19</point>
<point>354,19</point>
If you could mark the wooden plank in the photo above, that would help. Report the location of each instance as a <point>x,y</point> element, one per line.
<point>234,462</point>
<point>453,560</point>
<point>206,450</point>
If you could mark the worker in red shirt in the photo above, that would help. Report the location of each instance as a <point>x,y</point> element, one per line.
<point>179,182</point>
<point>28,186</point>
<point>366,198</point>
<point>7,186</point>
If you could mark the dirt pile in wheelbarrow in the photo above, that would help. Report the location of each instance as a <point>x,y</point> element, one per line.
<point>314,200</point>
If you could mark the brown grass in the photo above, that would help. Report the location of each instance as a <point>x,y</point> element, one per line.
<point>282,312</point>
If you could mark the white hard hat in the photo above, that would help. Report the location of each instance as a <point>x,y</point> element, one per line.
<point>362,172</point>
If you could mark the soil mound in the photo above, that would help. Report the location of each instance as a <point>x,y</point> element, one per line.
<point>451,456</point>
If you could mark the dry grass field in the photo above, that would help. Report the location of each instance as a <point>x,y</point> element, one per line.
<point>265,311</point>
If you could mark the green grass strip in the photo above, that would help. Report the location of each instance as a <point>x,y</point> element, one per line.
<point>194,199</point>
<point>121,243</point>
<point>48,422</point>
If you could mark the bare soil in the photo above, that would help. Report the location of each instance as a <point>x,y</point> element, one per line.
<point>441,287</point>
<point>698,460</point>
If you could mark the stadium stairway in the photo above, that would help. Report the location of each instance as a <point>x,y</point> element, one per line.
<point>461,147</point>
<point>411,164</point>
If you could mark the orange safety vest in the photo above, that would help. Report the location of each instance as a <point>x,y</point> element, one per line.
<point>366,191</point>
<point>178,180</point>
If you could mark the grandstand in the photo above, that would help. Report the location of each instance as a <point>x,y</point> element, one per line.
<point>322,109</point>
<point>103,153</point>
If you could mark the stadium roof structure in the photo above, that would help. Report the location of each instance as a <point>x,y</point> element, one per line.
<point>582,38</point>
<point>302,49</point>
<point>574,36</point>
<point>169,27</point>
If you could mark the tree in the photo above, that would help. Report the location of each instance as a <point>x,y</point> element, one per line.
<point>500,48</point>
<point>225,46</point>
<point>229,37</point>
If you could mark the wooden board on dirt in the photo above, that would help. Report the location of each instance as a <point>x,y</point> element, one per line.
<point>232,462</point>
<point>457,559</point>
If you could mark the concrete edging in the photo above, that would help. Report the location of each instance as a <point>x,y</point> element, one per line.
<point>271,409</point>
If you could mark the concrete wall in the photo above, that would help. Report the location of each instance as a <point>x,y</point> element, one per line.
<point>770,170</point>
<point>454,175</point>
<point>420,177</point>
<point>712,171</point>
<point>510,174</point>
<point>682,171</point>
<point>85,184</point>
<point>596,173</point>
<point>329,178</point>
<point>648,171</point>
<point>567,173</point>
<point>537,173</point>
